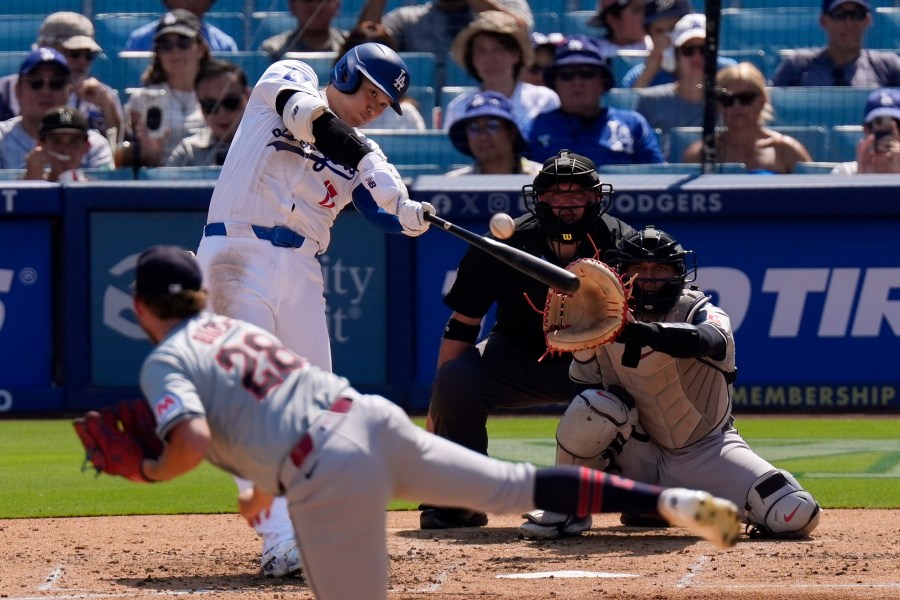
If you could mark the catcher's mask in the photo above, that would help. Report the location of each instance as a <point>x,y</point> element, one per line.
<point>567,172</point>
<point>651,245</point>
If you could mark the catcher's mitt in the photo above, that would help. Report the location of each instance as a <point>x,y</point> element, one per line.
<point>589,317</point>
<point>117,440</point>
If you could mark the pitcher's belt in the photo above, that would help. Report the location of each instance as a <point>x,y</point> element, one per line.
<point>305,446</point>
<point>279,235</point>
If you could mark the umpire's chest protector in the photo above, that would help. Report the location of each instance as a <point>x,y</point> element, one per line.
<point>679,400</point>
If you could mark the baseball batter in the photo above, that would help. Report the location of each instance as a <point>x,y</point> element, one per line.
<point>296,161</point>
<point>231,392</point>
<point>674,365</point>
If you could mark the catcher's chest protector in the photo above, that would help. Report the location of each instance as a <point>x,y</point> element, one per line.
<point>679,400</point>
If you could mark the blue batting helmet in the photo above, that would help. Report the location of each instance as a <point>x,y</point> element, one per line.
<point>381,65</point>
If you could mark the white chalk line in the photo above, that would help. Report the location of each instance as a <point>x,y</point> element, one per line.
<point>567,575</point>
<point>693,570</point>
<point>51,579</point>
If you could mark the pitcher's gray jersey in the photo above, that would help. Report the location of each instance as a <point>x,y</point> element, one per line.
<point>230,372</point>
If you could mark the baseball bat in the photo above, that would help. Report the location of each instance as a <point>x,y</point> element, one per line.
<point>545,272</point>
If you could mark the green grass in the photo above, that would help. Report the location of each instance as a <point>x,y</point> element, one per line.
<point>844,462</point>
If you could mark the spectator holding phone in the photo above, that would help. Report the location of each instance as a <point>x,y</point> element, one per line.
<point>165,110</point>
<point>879,150</point>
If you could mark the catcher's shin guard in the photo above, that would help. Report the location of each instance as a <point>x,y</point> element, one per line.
<point>778,506</point>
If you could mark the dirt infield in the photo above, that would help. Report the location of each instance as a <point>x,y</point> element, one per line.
<point>853,554</point>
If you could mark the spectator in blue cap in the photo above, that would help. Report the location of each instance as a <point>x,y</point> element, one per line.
<point>44,83</point>
<point>843,61</point>
<point>879,150</point>
<point>487,132</point>
<point>581,75</point>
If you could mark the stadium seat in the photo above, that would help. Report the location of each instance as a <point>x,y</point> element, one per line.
<point>546,21</point>
<point>123,174</point>
<point>802,168</point>
<point>425,99</point>
<point>814,138</point>
<point>885,28</point>
<point>842,142</point>
<point>11,61</point>
<point>456,75</point>
<point>112,29</point>
<point>770,29</point>
<point>19,31</point>
<point>124,71</point>
<point>20,7</point>
<point>253,63</point>
<point>623,61</point>
<point>233,24</point>
<point>135,6</point>
<point>576,22</point>
<point>11,174</point>
<point>825,106</point>
<point>429,147</point>
<point>680,138</point>
<point>163,173</point>
<point>669,169</point>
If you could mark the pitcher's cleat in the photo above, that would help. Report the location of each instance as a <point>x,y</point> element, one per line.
<point>714,519</point>
<point>548,525</point>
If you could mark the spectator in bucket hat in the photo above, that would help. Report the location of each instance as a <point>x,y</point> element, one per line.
<point>487,132</point>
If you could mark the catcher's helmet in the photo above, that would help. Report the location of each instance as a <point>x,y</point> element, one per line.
<point>652,245</point>
<point>378,63</point>
<point>560,173</point>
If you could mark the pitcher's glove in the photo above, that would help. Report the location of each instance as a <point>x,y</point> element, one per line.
<point>590,317</point>
<point>117,440</point>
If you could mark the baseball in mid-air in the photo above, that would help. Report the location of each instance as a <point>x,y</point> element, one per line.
<point>502,226</point>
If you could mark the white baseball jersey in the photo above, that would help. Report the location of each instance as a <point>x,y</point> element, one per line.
<point>269,177</point>
<point>263,402</point>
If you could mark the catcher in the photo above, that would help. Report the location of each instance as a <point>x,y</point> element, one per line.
<point>226,390</point>
<point>656,403</point>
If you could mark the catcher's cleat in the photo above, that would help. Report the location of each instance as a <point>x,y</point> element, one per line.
<point>282,560</point>
<point>451,518</point>
<point>714,519</point>
<point>549,525</point>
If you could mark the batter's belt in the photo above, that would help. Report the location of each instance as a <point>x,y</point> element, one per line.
<point>279,236</point>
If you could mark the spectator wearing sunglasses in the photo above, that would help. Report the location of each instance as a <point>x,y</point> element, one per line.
<point>843,61</point>
<point>680,103</point>
<point>72,34</point>
<point>222,92</point>
<point>879,150</point>
<point>488,133</point>
<point>543,46</point>
<point>63,145</point>
<point>623,21</point>
<point>744,109</point>
<point>581,75</point>
<point>493,49</point>
<point>43,84</point>
<point>144,37</point>
<point>165,110</point>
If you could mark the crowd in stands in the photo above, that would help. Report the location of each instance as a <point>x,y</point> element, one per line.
<point>521,93</point>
